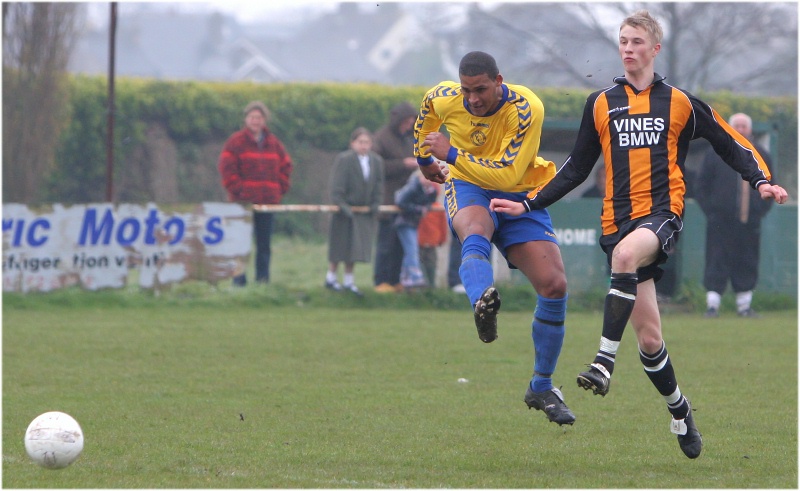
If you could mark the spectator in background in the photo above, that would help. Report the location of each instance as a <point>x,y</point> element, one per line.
<point>256,169</point>
<point>414,200</point>
<point>356,180</point>
<point>394,142</point>
<point>733,211</point>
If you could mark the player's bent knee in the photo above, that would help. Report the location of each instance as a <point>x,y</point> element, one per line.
<point>623,261</point>
<point>649,343</point>
<point>555,287</point>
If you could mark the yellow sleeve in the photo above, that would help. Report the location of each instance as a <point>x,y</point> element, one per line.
<point>428,120</point>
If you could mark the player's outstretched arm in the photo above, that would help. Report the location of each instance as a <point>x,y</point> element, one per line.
<point>771,191</point>
<point>513,208</point>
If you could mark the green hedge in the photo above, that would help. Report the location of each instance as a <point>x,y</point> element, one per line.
<point>313,120</point>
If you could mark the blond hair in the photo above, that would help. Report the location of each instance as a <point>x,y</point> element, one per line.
<point>643,19</point>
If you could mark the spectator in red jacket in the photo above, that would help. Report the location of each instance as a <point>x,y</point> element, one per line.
<point>255,168</point>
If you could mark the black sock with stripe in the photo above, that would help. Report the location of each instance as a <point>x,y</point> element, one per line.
<point>658,368</point>
<point>618,307</point>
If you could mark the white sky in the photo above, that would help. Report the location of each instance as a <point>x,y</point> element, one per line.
<point>244,11</point>
<point>255,9</point>
<point>252,10</point>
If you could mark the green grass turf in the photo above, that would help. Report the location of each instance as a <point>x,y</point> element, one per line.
<point>192,395</point>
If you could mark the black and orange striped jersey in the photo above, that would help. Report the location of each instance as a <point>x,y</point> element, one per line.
<point>644,139</point>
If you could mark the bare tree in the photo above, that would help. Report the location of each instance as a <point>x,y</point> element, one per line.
<point>37,42</point>
<point>742,47</point>
<point>747,48</point>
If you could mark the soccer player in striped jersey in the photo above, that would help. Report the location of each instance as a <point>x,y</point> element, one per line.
<point>642,126</point>
<point>492,152</point>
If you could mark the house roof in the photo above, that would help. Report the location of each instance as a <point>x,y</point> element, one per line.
<point>342,46</point>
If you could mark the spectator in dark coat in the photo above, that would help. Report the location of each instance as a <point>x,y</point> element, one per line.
<point>733,230</point>
<point>394,142</point>
<point>256,169</point>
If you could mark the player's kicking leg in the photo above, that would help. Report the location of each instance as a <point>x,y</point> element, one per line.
<point>477,277</point>
<point>469,216</point>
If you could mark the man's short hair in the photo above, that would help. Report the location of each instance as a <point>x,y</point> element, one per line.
<point>257,106</point>
<point>747,119</point>
<point>358,132</point>
<point>477,63</point>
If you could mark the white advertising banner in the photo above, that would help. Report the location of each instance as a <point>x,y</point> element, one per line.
<point>99,245</point>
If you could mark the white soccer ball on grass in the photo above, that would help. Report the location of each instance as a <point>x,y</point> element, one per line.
<point>54,440</point>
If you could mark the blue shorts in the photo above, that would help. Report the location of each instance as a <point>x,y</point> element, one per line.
<point>508,230</point>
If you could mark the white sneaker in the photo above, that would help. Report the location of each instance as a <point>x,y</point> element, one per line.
<point>459,289</point>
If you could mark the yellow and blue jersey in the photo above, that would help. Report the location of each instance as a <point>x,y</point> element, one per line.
<point>498,151</point>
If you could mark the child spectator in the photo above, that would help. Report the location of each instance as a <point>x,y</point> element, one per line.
<point>356,180</point>
<point>414,199</point>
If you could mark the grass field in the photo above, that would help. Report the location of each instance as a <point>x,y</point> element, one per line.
<point>289,385</point>
<point>192,396</point>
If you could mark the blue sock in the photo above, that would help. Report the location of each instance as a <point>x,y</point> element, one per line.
<point>548,336</point>
<point>476,270</point>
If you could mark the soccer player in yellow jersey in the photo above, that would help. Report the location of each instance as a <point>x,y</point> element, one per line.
<point>642,126</point>
<point>492,152</point>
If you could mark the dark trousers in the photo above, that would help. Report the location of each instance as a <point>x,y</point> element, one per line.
<point>453,263</point>
<point>262,233</point>
<point>428,260</point>
<point>388,254</point>
<point>732,253</point>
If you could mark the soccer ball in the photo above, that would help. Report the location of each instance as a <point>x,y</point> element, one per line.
<point>54,440</point>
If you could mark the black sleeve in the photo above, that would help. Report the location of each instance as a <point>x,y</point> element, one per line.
<point>740,157</point>
<point>578,165</point>
<point>759,206</point>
